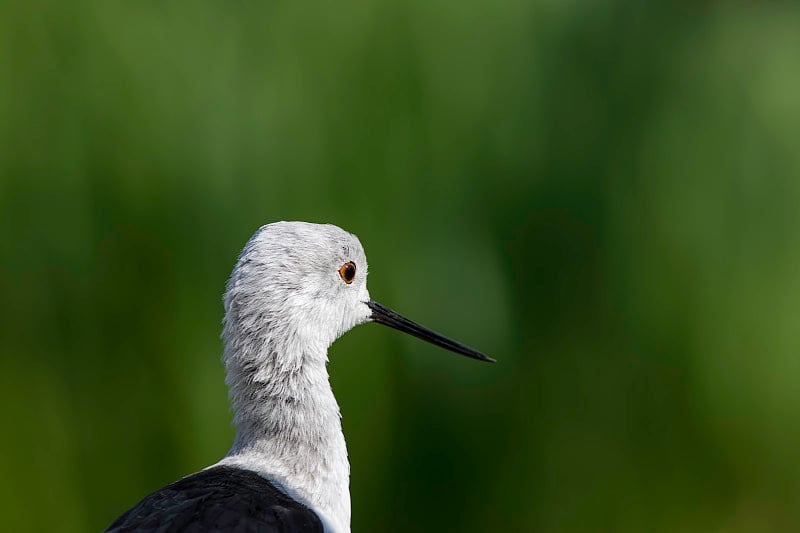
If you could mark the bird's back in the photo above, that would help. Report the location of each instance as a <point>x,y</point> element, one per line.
<point>220,499</point>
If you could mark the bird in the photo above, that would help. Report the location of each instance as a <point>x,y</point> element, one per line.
<point>295,288</point>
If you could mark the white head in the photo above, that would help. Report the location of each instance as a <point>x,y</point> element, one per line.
<point>307,280</point>
<point>307,284</point>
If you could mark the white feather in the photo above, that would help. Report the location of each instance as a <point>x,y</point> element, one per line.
<point>285,304</point>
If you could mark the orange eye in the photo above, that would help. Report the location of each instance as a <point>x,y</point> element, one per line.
<point>348,272</point>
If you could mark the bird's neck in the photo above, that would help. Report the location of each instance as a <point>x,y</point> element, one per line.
<point>288,426</point>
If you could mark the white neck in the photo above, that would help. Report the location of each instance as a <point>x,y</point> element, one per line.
<point>288,424</point>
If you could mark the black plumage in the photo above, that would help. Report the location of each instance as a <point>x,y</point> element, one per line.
<point>219,499</point>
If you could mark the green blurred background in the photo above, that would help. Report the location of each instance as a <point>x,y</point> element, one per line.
<point>602,195</point>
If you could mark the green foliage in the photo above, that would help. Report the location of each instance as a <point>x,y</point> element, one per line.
<point>603,196</point>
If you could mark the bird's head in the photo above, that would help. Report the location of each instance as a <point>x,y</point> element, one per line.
<point>306,283</point>
<point>297,287</point>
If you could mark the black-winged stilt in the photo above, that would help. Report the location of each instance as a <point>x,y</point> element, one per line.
<point>295,289</point>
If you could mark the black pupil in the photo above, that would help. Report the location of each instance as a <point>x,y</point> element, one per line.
<point>349,272</point>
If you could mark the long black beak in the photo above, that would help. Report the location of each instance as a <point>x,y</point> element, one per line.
<point>387,317</point>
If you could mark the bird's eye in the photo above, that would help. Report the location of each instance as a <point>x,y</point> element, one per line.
<point>348,272</point>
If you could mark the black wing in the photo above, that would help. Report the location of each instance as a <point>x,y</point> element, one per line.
<point>219,499</point>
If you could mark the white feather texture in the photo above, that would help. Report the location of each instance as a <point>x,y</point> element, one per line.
<point>285,304</point>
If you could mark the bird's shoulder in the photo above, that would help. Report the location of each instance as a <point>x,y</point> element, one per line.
<point>221,498</point>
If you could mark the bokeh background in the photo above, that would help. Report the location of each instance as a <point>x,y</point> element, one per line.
<point>605,196</point>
